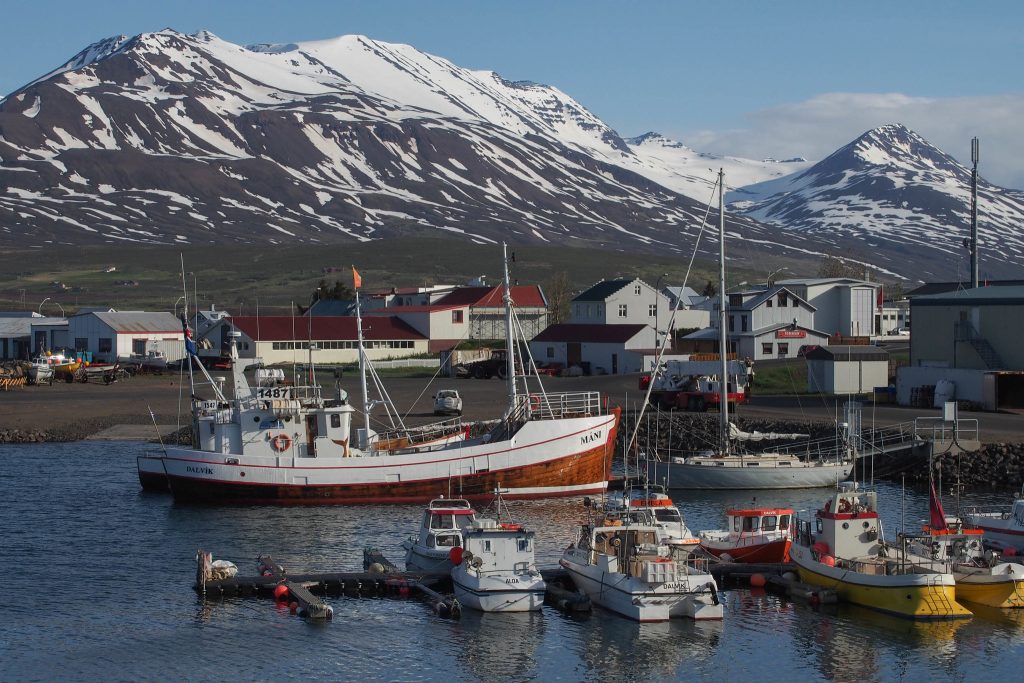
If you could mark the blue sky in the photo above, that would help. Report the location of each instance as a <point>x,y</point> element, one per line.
<point>753,79</point>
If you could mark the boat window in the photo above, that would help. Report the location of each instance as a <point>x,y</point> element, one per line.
<point>430,542</point>
<point>487,546</point>
<point>447,540</point>
<point>737,523</point>
<point>768,522</point>
<point>524,545</point>
<point>784,522</point>
<point>818,525</point>
<point>750,523</point>
<point>667,515</point>
<point>335,421</point>
<point>442,522</point>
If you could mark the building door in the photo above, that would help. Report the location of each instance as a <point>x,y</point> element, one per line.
<point>573,354</point>
<point>311,435</point>
<point>615,363</point>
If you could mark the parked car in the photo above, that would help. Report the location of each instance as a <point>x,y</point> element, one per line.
<point>447,402</point>
<point>899,331</point>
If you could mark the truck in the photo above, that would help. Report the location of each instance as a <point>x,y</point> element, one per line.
<point>495,366</point>
<point>694,385</point>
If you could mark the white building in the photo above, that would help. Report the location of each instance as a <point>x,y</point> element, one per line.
<point>847,369</point>
<point>117,335</point>
<point>601,349</point>
<point>442,326</point>
<point>694,310</point>
<point>842,305</point>
<point>621,302</point>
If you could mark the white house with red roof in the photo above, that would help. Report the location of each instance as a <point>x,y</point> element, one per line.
<point>284,340</point>
<point>601,349</point>
<point>444,326</point>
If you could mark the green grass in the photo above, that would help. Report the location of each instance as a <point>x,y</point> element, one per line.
<point>790,378</point>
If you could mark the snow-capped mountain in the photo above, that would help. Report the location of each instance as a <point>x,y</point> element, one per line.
<point>167,137</point>
<point>892,199</point>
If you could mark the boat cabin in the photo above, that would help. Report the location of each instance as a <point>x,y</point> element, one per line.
<point>757,521</point>
<point>443,521</point>
<point>498,547</point>
<point>847,526</point>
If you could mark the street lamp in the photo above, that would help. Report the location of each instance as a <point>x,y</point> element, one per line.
<point>176,305</point>
<point>657,309</point>
<point>768,283</point>
<point>41,305</point>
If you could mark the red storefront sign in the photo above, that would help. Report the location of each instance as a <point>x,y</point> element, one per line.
<point>790,334</point>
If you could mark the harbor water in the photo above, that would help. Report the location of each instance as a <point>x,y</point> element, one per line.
<point>99,575</point>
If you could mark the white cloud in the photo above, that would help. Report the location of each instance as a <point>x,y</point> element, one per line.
<point>818,126</point>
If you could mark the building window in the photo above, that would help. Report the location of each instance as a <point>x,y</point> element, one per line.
<point>106,345</point>
<point>81,343</point>
<point>783,300</point>
<point>783,349</point>
<point>622,310</point>
<point>743,323</point>
<point>652,310</point>
<point>636,290</point>
<point>457,316</point>
<point>732,323</point>
<point>579,310</point>
<point>768,303</point>
<point>551,352</point>
<point>139,346</point>
<point>766,348</point>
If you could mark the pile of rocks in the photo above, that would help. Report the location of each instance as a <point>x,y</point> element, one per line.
<point>19,436</point>
<point>996,465</point>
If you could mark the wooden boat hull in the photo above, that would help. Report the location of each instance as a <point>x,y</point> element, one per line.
<point>543,460</point>
<point>914,596</point>
<point>768,552</point>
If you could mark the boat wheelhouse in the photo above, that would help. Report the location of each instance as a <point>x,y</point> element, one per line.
<point>440,531</point>
<point>751,535</point>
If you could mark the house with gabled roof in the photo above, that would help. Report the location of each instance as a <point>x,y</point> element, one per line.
<point>116,335</point>
<point>762,324</point>
<point>597,348</point>
<point>843,305</point>
<point>486,306</point>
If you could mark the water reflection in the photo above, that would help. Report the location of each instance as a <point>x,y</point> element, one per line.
<point>500,647</point>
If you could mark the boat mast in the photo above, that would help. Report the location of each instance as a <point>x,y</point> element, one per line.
<point>723,380</point>
<point>184,294</point>
<point>509,335</point>
<point>362,360</point>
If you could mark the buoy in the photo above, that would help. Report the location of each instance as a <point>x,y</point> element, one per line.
<point>280,592</point>
<point>455,555</point>
<point>758,581</point>
<point>789,576</point>
<point>828,560</point>
<point>376,568</point>
<point>1009,551</point>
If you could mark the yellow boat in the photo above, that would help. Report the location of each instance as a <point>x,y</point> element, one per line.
<point>842,550</point>
<point>982,577</point>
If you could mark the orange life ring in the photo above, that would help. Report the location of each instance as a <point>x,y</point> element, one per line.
<point>534,402</point>
<point>281,443</point>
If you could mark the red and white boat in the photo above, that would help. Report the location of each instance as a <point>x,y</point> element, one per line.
<point>752,535</point>
<point>278,444</point>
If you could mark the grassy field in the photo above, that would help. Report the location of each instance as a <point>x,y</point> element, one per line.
<point>237,277</point>
<point>780,378</point>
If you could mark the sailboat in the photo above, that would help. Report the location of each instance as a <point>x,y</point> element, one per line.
<point>725,468</point>
<point>282,444</point>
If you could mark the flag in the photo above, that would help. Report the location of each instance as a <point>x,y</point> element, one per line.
<point>357,281</point>
<point>935,512</point>
<point>190,346</point>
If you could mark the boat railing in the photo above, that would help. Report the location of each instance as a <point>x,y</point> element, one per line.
<point>938,429</point>
<point>553,406</point>
<point>423,434</point>
<point>830,448</point>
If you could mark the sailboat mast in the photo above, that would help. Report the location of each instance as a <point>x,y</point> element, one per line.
<point>362,370</point>
<point>509,334</point>
<point>723,380</point>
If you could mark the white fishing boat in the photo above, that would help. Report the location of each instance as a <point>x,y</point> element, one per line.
<point>280,444</point>
<point>623,567</point>
<point>725,467</point>
<point>440,531</point>
<point>843,549</point>
<point>494,570</point>
<point>42,369</point>
<point>649,504</point>
<point>1003,529</point>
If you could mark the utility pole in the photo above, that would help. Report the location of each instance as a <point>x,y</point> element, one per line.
<point>974,213</point>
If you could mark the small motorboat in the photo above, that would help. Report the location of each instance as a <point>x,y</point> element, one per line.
<point>1004,529</point>
<point>751,535</point>
<point>41,370</point>
<point>637,498</point>
<point>624,567</point>
<point>440,532</point>
<point>494,571</point>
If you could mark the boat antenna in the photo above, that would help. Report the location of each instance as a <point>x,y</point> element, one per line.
<point>510,341</point>
<point>723,380</point>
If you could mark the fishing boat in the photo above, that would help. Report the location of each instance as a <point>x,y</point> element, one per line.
<point>41,370</point>
<point>440,531</point>
<point>640,501</point>
<point>725,466</point>
<point>282,444</point>
<point>982,576</point>
<point>1003,529</point>
<point>623,567</point>
<point>751,535</point>
<point>843,549</point>
<point>495,570</point>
